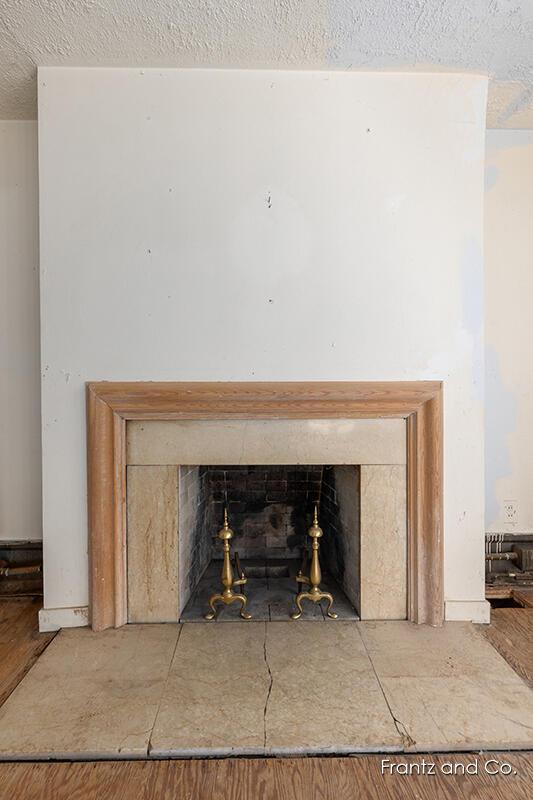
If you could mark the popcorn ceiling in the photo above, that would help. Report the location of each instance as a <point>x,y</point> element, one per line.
<point>488,36</point>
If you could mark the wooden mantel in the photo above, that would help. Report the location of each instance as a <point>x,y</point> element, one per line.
<point>111,404</point>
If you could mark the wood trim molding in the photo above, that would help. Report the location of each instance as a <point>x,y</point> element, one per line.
<point>111,404</point>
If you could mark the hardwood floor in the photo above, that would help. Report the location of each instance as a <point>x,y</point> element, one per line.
<point>511,632</point>
<point>20,641</point>
<point>279,779</point>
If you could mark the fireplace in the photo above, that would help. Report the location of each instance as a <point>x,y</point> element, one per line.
<point>270,509</point>
<point>164,459</point>
<point>275,480</point>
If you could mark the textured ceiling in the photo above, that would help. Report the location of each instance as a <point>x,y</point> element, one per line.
<point>488,36</point>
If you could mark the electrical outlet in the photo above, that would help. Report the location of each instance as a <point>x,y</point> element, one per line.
<point>510,509</point>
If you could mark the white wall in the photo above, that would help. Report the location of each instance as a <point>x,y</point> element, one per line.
<point>509,330</point>
<point>20,388</point>
<point>228,225</point>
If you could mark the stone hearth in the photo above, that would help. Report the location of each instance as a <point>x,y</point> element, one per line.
<point>241,689</point>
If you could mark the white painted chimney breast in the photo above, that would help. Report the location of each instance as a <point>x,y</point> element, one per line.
<point>260,225</point>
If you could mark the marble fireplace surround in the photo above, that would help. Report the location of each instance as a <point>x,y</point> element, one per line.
<point>111,405</point>
<point>172,513</point>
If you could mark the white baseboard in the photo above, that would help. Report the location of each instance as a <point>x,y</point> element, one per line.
<point>467,610</point>
<point>52,619</point>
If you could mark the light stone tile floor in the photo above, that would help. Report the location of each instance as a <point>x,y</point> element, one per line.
<point>266,688</point>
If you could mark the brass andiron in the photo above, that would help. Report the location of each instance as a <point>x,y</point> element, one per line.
<point>315,576</point>
<point>228,596</point>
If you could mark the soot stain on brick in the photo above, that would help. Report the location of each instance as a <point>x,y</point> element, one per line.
<point>270,507</point>
<point>332,544</point>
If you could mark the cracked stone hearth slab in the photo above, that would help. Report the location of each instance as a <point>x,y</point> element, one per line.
<point>402,650</point>
<point>448,687</point>
<point>90,695</point>
<point>214,699</point>
<point>278,688</point>
<point>325,696</point>
<point>461,713</point>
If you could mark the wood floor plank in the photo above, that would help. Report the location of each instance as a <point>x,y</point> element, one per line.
<point>511,633</point>
<point>276,779</point>
<point>524,597</point>
<point>20,642</point>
